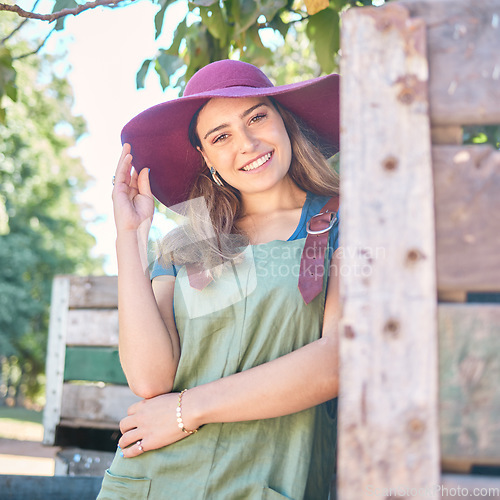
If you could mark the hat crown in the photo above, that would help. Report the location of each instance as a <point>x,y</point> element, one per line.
<point>224,74</point>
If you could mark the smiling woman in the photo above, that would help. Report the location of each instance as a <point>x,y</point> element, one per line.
<point>233,341</point>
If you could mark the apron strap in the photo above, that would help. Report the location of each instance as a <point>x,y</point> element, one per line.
<point>312,262</point>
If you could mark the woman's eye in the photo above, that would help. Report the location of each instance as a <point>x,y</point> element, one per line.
<point>220,138</point>
<point>257,118</point>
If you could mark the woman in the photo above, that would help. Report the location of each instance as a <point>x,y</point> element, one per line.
<point>250,332</point>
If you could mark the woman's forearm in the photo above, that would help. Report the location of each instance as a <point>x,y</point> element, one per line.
<point>149,350</point>
<point>294,382</point>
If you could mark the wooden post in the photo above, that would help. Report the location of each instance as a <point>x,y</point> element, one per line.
<point>388,426</point>
<point>56,352</point>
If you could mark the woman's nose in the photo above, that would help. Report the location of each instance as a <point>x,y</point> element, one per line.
<point>247,142</point>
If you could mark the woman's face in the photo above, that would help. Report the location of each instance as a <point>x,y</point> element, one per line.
<point>245,140</point>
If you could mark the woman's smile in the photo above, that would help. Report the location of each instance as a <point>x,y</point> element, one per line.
<point>254,166</point>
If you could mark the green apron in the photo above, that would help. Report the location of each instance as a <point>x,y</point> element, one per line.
<point>251,314</point>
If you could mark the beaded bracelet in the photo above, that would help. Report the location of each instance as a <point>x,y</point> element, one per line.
<point>178,412</point>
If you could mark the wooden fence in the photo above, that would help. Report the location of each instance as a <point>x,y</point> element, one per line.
<point>420,226</point>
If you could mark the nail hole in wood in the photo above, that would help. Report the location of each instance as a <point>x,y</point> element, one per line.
<point>390,163</point>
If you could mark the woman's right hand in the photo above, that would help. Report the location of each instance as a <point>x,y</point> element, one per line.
<point>133,201</point>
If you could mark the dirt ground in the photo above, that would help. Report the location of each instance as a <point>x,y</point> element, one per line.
<point>21,449</point>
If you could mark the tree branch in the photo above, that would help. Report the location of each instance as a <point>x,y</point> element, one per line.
<point>20,24</point>
<point>56,15</point>
<point>14,31</point>
<point>33,52</point>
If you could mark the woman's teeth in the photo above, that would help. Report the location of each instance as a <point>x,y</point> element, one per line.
<point>257,163</point>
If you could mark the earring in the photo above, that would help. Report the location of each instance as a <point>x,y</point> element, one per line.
<point>216,177</point>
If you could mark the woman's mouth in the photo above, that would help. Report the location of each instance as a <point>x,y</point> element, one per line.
<point>258,162</point>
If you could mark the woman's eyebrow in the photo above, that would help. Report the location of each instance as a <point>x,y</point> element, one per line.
<point>216,129</point>
<point>248,111</point>
<point>243,115</point>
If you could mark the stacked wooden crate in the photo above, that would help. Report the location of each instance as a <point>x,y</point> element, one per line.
<point>420,226</point>
<point>87,393</point>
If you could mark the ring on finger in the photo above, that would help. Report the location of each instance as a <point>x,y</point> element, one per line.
<point>139,445</point>
<point>113,180</point>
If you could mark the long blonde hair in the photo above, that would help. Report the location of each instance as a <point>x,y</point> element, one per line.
<point>212,239</point>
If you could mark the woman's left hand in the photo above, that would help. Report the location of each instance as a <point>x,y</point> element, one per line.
<point>150,424</point>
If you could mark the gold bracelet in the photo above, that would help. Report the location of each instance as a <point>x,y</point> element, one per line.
<point>178,412</point>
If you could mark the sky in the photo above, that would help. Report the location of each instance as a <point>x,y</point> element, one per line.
<point>104,50</point>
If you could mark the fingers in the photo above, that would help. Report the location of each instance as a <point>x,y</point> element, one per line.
<point>122,173</point>
<point>125,173</point>
<point>143,183</point>
<point>133,451</point>
<point>131,443</point>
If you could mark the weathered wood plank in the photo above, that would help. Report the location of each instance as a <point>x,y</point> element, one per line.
<point>105,404</point>
<point>447,135</point>
<point>469,374</point>
<point>94,364</point>
<point>388,424</point>
<point>56,351</point>
<point>463,39</point>
<point>80,423</point>
<point>466,184</point>
<point>53,487</point>
<point>92,327</point>
<point>93,292</point>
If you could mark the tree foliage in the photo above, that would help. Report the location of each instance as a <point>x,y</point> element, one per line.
<point>42,231</point>
<point>214,30</point>
<point>219,29</point>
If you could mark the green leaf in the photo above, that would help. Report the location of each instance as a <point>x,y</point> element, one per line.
<point>269,8</point>
<point>60,5</point>
<point>323,30</point>
<point>141,74</point>
<point>213,18</point>
<point>280,26</point>
<point>160,16</point>
<point>7,75</point>
<point>200,49</point>
<point>179,36</point>
<point>256,53</point>
<point>166,65</point>
<point>11,91</point>
<point>481,138</point>
<point>245,14</point>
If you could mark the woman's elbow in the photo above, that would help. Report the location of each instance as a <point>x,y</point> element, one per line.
<point>148,390</point>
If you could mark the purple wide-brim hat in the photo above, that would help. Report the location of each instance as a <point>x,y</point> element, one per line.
<point>159,135</point>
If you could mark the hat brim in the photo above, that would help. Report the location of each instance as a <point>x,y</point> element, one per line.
<point>159,135</point>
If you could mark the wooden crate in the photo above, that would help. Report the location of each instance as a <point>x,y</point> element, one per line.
<point>87,393</point>
<point>420,222</point>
